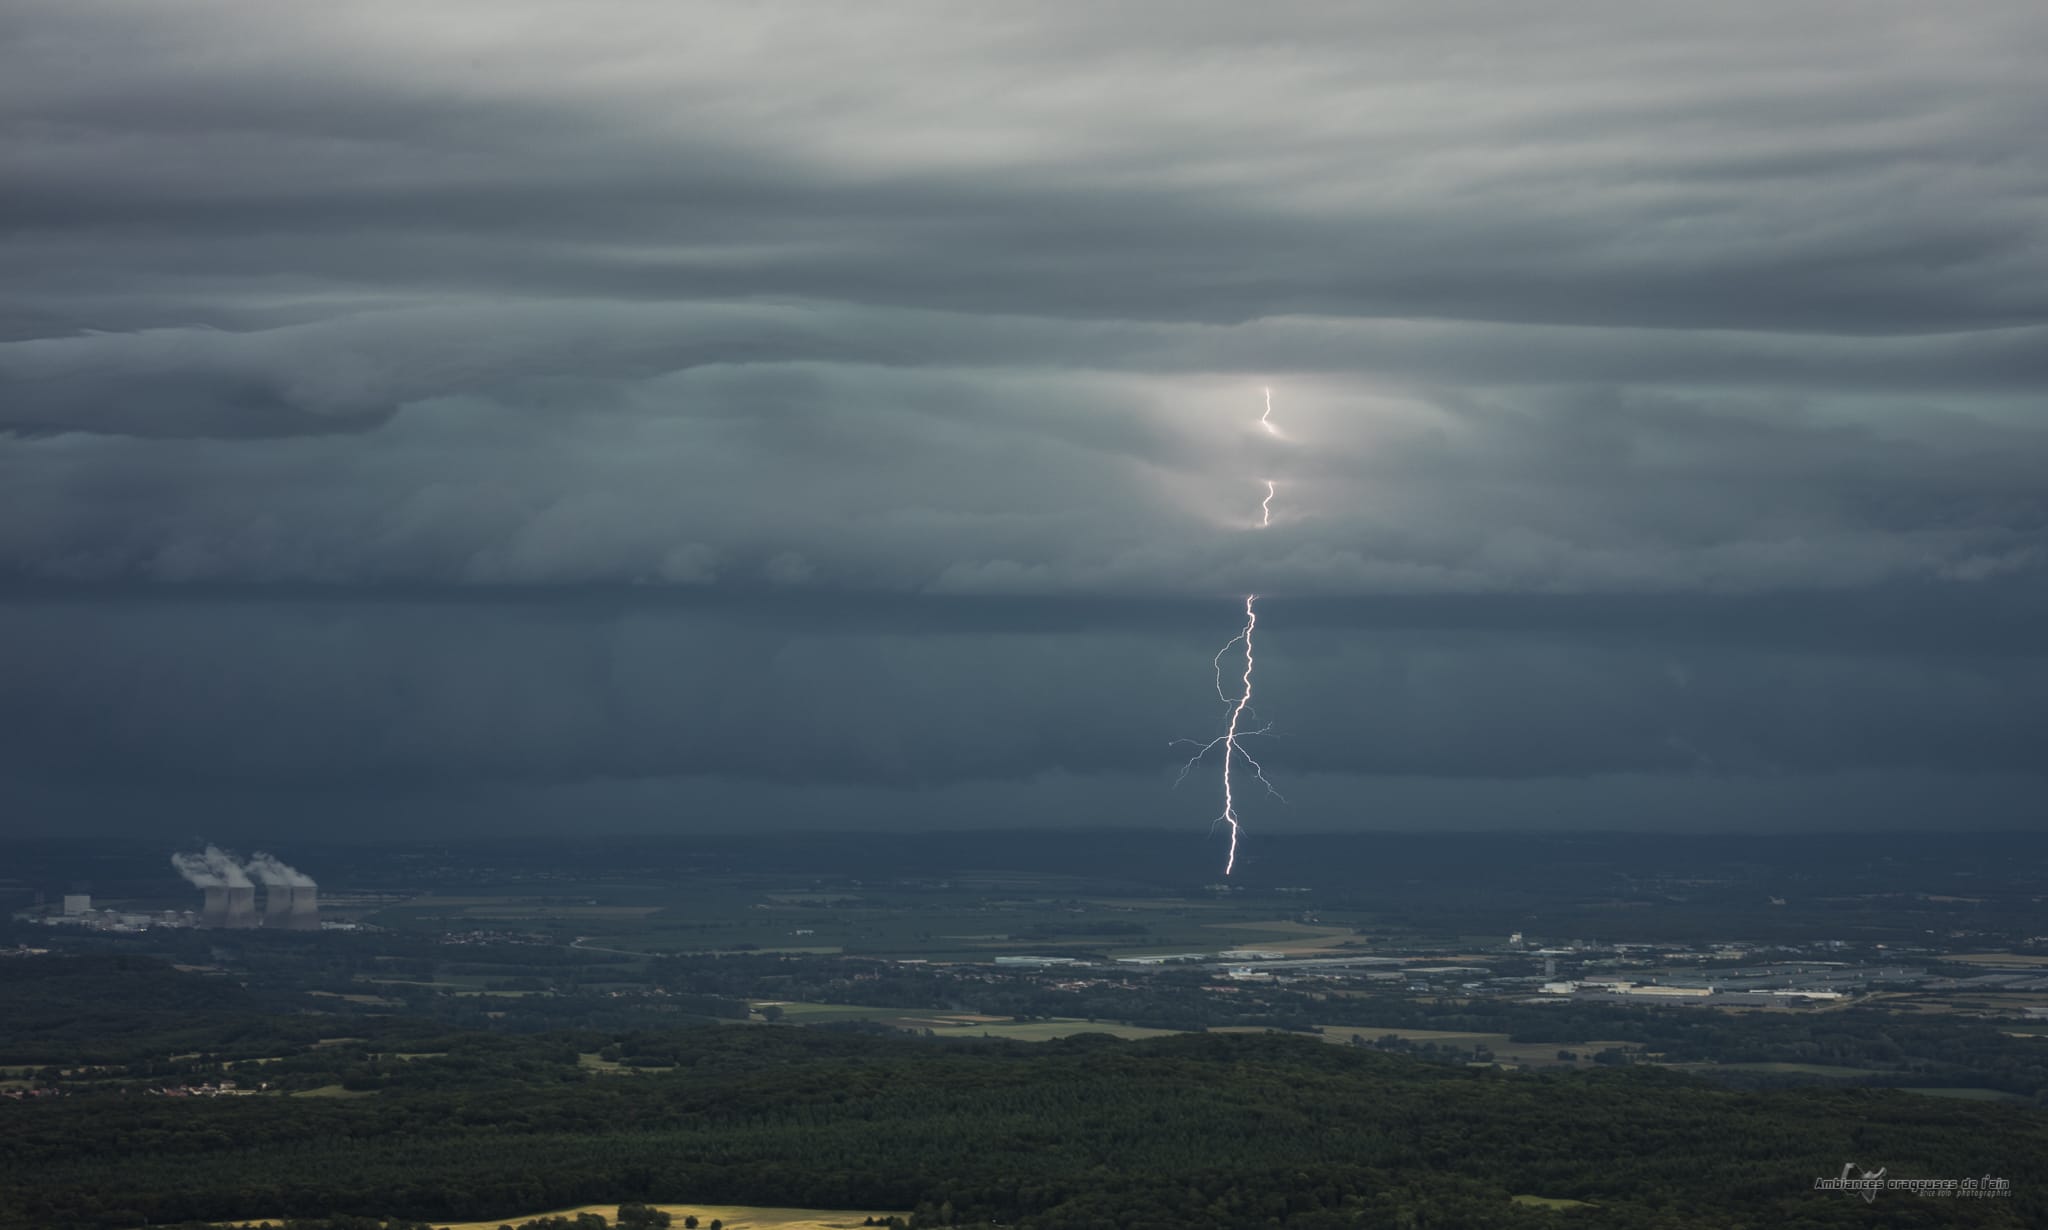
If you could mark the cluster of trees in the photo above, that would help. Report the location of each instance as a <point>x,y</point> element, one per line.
<point>1902,1050</point>
<point>1190,1132</point>
<point>113,1018</point>
<point>1161,1000</point>
<point>632,1216</point>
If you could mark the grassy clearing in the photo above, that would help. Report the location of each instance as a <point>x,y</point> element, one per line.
<point>1802,1069</point>
<point>1504,1049</point>
<point>334,1091</point>
<point>1291,938</point>
<point>1552,1202</point>
<point>735,1216</point>
<point>813,1014</point>
<point>1970,1095</point>
<point>1040,1031</point>
<point>592,1061</point>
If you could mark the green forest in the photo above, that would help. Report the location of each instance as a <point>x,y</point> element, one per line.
<point>1188,1131</point>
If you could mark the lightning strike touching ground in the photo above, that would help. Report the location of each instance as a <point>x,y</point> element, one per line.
<point>1238,706</point>
<point>1230,734</point>
<point>1234,730</point>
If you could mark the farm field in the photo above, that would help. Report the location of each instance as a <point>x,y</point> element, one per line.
<point>961,1024</point>
<point>1032,1031</point>
<point>1504,1049</point>
<point>1970,1095</point>
<point>1800,1069</point>
<point>734,1216</point>
<point>963,920</point>
<point>969,1024</point>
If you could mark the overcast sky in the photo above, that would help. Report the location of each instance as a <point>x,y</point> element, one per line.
<point>490,415</point>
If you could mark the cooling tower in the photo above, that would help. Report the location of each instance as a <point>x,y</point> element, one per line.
<point>242,906</point>
<point>305,914</point>
<point>277,904</point>
<point>216,912</point>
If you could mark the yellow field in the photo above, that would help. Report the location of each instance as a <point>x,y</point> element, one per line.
<point>735,1216</point>
<point>1551,1202</point>
<point>594,1062</point>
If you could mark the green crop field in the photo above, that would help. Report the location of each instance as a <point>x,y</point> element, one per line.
<point>1971,1095</point>
<point>967,920</point>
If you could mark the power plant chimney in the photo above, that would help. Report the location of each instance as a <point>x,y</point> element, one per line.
<point>289,898</point>
<point>305,914</point>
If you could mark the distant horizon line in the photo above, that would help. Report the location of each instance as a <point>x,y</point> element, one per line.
<point>1035,831</point>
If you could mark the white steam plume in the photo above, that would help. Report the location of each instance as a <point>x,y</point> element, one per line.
<point>212,867</point>
<point>276,873</point>
<point>223,864</point>
<point>193,867</point>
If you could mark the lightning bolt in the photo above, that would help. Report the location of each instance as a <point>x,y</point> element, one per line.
<point>1237,707</point>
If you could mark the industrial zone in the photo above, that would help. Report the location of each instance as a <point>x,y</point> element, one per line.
<point>227,885</point>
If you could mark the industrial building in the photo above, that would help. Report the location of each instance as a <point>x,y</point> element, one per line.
<point>290,899</point>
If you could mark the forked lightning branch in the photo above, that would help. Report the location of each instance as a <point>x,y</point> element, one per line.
<point>1238,708</point>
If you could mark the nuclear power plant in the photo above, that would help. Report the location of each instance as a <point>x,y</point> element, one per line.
<point>290,898</point>
<point>296,906</point>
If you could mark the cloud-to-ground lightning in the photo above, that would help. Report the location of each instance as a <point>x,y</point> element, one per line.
<point>1239,706</point>
<point>1234,731</point>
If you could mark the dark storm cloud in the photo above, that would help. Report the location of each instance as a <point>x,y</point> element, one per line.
<point>838,477</point>
<point>422,693</point>
<point>540,396</point>
<point>1595,168</point>
<point>352,372</point>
